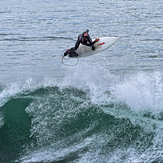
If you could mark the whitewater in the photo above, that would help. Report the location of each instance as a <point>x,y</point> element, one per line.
<point>106,109</point>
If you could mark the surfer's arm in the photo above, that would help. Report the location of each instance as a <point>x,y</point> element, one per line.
<point>91,43</point>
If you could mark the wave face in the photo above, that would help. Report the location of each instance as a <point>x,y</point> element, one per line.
<point>62,123</point>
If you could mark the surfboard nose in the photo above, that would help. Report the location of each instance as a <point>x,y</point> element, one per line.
<point>112,40</point>
<point>115,38</point>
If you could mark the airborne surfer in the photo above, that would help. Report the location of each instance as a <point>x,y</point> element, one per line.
<point>84,39</point>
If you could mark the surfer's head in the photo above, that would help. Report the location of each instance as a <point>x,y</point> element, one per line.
<point>84,40</point>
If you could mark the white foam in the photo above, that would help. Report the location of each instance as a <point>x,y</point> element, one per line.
<point>24,87</point>
<point>56,151</point>
<point>142,92</point>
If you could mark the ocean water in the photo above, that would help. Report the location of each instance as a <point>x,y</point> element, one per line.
<point>106,109</point>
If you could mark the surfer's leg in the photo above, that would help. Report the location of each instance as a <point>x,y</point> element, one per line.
<point>77,44</point>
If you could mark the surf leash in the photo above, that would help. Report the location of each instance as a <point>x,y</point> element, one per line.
<point>64,58</point>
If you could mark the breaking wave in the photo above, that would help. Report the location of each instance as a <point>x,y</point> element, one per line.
<point>115,121</point>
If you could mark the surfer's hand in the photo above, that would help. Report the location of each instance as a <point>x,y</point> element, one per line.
<point>97,39</point>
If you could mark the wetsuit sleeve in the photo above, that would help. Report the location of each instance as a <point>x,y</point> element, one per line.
<point>90,41</point>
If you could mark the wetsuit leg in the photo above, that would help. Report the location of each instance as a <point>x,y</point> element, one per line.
<point>77,44</point>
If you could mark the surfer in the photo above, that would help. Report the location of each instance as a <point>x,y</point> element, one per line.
<point>84,39</point>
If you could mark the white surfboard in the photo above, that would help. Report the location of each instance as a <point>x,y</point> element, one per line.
<point>102,44</point>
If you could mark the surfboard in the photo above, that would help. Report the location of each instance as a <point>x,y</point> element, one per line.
<point>101,45</point>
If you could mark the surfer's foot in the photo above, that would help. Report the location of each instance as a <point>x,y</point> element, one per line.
<point>93,47</point>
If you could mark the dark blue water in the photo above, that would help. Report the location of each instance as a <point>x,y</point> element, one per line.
<point>107,108</point>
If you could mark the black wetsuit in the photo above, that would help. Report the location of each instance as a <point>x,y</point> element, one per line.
<point>72,52</point>
<point>89,43</point>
